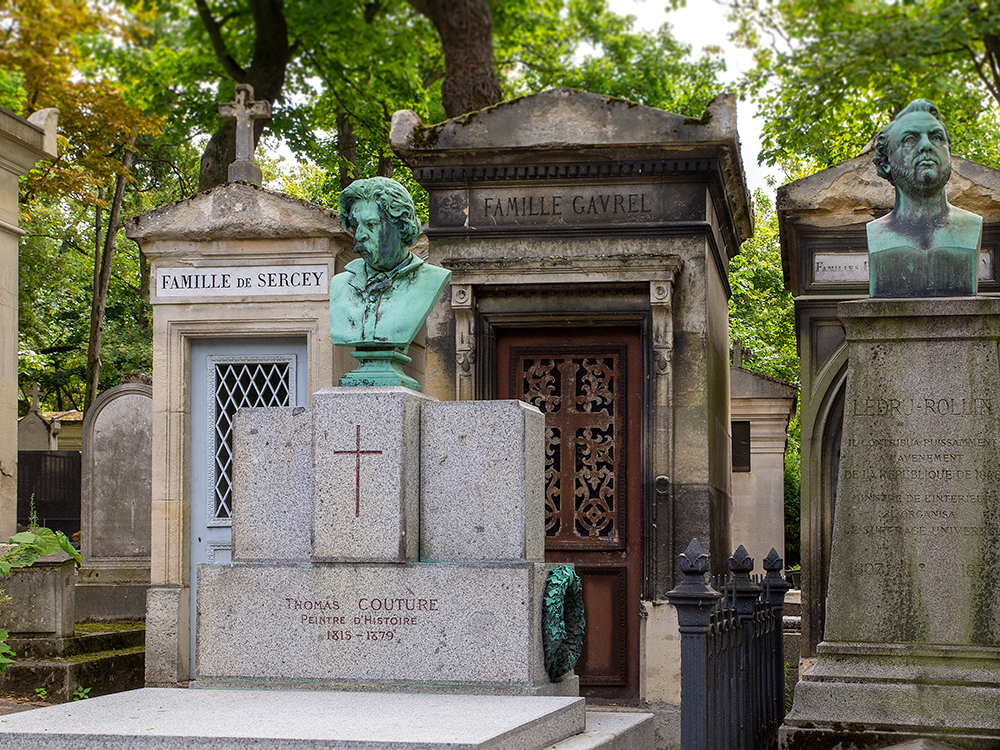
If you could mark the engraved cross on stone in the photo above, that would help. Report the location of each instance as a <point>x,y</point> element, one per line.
<point>358,453</point>
<point>245,110</point>
<point>36,393</point>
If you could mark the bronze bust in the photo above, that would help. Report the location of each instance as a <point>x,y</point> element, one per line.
<point>924,247</point>
<point>379,302</point>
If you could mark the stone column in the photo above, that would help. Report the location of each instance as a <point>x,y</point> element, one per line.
<point>912,642</point>
<point>22,143</point>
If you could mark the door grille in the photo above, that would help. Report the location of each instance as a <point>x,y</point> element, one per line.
<point>235,383</point>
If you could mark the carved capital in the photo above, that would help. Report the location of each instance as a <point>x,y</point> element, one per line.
<point>463,305</point>
<point>461,296</point>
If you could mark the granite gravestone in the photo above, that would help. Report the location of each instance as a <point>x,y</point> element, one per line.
<point>458,606</point>
<point>116,502</point>
<point>912,639</point>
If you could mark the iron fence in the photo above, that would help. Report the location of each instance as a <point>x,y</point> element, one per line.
<point>52,480</point>
<point>732,656</point>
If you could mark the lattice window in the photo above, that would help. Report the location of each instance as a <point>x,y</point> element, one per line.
<point>578,395</point>
<point>235,382</point>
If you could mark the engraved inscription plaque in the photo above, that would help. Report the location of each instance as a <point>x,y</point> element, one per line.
<point>918,512</point>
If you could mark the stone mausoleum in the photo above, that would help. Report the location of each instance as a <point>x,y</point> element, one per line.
<point>824,249</point>
<point>589,242</point>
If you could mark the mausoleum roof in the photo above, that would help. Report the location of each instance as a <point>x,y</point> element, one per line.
<point>746,383</point>
<point>852,191</point>
<point>565,125</point>
<point>236,210</point>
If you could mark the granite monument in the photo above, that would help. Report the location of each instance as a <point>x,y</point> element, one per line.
<point>911,645</point>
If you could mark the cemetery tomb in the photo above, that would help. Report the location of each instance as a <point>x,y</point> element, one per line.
<point>589,240</point>
<point>822,221</point>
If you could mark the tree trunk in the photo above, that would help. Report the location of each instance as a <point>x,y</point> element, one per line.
<point>466,31</point>
<point>347,150</point>
<point>385,165</point>
<point>143,289</point>
<point>102,277</point>
<point>266,73</point>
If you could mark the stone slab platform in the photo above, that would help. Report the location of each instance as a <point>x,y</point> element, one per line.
<point>168,718</point>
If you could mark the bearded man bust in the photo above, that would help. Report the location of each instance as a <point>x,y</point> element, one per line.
<point>924,247</point>
<point>379,302</point>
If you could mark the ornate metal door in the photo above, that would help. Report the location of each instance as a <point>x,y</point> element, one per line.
<point>587,383</point>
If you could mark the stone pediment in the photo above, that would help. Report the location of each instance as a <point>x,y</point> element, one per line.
<point>567,136</point>
<point>237,210</point>
<point>851,191</point>
<point>749,384</point>
<point>564,117</point>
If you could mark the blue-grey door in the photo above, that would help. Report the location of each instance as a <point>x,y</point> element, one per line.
<point>228,374</point>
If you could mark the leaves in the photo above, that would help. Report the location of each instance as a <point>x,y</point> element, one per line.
<point>34,543</point>
<point>830,73</point>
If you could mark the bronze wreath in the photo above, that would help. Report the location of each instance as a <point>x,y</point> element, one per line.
<point>562,621</point>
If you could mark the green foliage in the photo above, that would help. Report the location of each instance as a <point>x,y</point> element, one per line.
<point>538,45</point>
<point>81,693</point>
<point>761,310</point>
<point>6,652</point>
<point>116,71</point>
<point>35,543</point>
<point>41,693</point>
<point>830,73</point>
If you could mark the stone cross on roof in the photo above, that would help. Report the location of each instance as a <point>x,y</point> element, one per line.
<point>36,393</point>
<point>245,110</point>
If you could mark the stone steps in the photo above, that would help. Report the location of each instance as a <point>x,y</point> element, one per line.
<point>107,661</point>
<point>612,731</point>
<point>88,639</point>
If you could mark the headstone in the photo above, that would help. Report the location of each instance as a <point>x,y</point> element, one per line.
<point>23,143</point>
<point>34,431</point>
<point>116,503</point>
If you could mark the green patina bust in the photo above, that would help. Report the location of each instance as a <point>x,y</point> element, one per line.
<point>379,302</point>
<point>924,247</point>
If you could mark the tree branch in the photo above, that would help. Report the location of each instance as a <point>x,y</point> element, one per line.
<point>214,29</point>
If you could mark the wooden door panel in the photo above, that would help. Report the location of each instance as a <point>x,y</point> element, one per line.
<point>605,604</point>
<point>587,383</point>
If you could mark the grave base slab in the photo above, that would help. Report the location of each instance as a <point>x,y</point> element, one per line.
<point>164,718</point>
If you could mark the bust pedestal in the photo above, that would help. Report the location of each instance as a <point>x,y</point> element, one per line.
<point>912,639</point>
